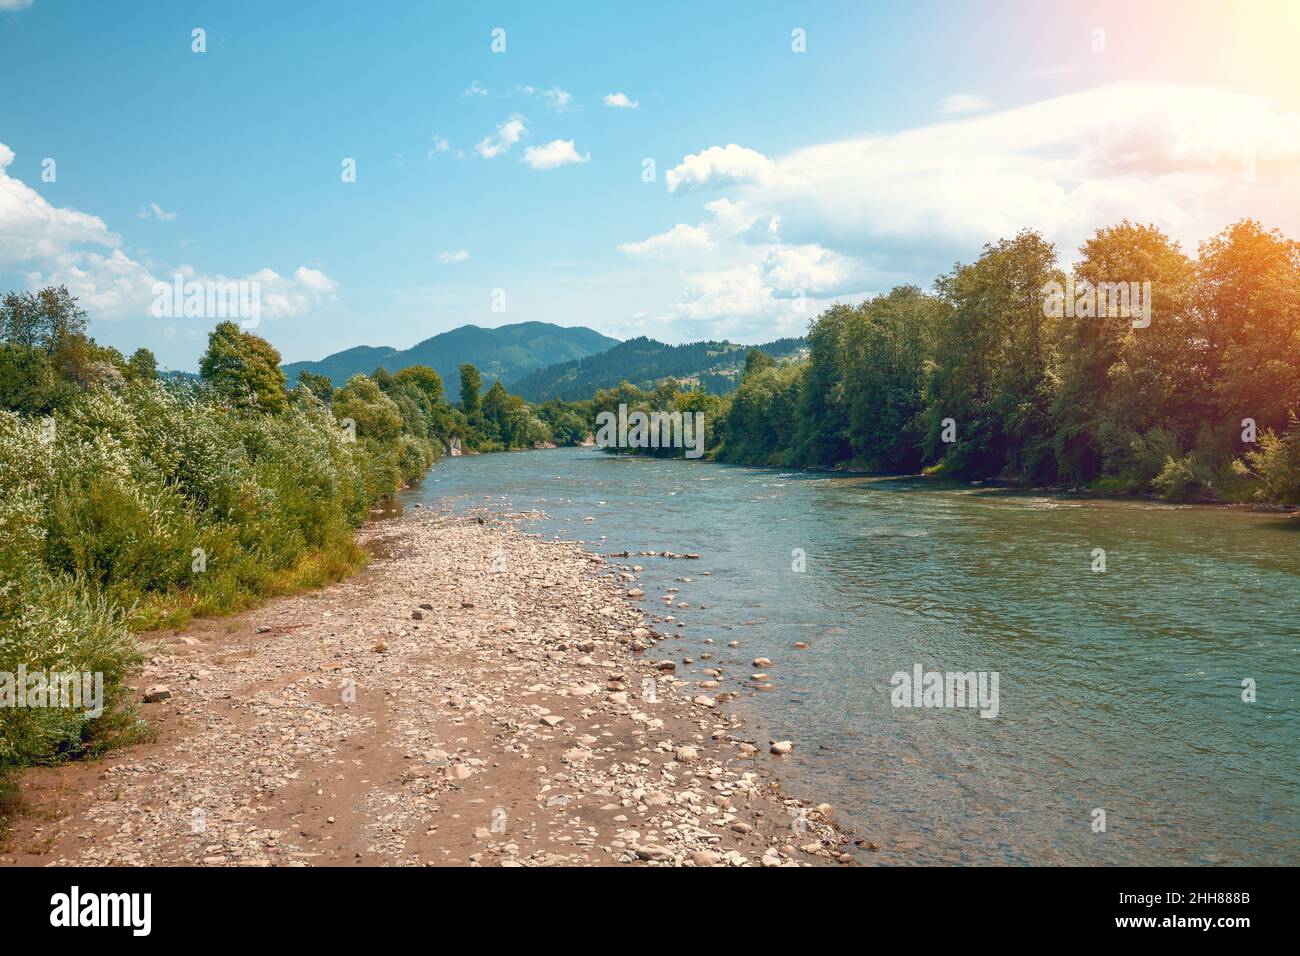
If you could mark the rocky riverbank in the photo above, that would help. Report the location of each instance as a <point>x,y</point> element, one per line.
<point>477,696</point>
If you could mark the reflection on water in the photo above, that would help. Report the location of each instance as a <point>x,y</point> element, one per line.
<point>1118,690</point>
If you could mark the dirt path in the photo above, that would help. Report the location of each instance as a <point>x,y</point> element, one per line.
<point>473,697</point>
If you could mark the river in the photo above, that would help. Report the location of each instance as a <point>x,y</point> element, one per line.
<point>1118,691</point>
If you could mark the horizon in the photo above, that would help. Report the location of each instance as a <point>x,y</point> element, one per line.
<point>494,188</point>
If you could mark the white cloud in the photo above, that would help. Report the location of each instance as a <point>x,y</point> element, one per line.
<point>30,228</point>
<point>680,240</point>
<point>48,245</point>
<point>286,297</point>
<point>558,152</point>
<point>556,98</point>
<point>812,269</point>
<point>620,101</point>
<point>315,281</point>
<point>717,166</point>
<point>507,134</point>
<point>475,89</point>
<point>459,255</point>
<point>157,212</point>
<point>838,219</point>
<point>964,103</point>
<point>437,145</point>
<point>15,4</point>
<point>1179,157</point>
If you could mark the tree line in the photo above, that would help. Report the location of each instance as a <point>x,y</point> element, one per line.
<point>984,377</point>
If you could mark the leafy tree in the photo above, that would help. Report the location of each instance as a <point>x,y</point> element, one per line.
<point>1119,380</point>
<point>318,385</point>
<point>142,366</point>
<point>28,383</point>
<point>374,414</point>
<point>244,369</point>
<point>471,384</point>
<point>887,348</point>
<point>425,379</point>
<point>994,370</point>
<point>45,319</point>
<point>1249,294</point>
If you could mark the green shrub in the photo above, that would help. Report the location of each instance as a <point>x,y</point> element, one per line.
<point>1184,479</point>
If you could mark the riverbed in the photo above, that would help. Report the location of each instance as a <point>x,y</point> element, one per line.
<point>1121,734</point>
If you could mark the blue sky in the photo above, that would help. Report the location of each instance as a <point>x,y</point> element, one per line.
<point>903,139</point>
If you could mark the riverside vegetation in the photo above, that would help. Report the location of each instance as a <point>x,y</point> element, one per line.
<point>1200,405</point>
<point>129,502</point>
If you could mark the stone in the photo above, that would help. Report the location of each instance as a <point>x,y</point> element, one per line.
<point>652,851</point>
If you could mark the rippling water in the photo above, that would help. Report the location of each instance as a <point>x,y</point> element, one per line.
<point>1119,690</point>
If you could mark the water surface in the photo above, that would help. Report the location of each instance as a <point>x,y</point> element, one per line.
<point>1119,691</point>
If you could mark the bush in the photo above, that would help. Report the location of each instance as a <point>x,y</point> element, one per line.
<point>1184,479</point>
<point>1276,465</point>
<point>140,504</point>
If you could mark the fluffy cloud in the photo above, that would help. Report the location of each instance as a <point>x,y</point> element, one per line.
<point>558,152</point>
<point>839,219</point>
<point>556,98</point>
<point>620,101</point>
<point>739,280</point>
<point>438,145</point>
<point>157,212</point>
<point>48,245</point>
<point>1188,160</point>
<point>812,269</point>
<point>680,240</point>
<point>717,166</point>
<point>459,255</point>
<point>507,134</point>
<point>964,103</point>
<point>32,229</point>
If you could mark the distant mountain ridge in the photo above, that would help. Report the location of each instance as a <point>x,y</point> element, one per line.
<point>714,366</point>
<point>507,353</point>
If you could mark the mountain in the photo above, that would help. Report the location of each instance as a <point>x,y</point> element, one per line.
<point>715,366</point>
<point>507,353</point>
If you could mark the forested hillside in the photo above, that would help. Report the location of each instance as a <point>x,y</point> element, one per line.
<point>712,366</point>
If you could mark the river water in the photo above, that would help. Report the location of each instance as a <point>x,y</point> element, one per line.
<point>1118,691</point>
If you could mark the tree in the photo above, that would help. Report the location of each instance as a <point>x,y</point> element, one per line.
<point>27,380</point>
<point>994,375</point>
<point>142,366</point>
<point>471,384</point>
<point>45,319</point>
<point>887,349</point>
<point>424,378</point>
<point>755,359</point>
<point>244,369</point>
<point>376,417</point>
<point>1249,294</point>
<point>318,385</point>
<point>1118,380</point>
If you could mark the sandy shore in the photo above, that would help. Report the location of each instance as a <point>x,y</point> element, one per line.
<point>475,697</point>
